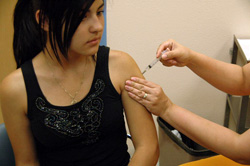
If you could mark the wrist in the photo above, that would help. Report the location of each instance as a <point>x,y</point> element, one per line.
<point>168,107</point>
<point>192,57</point>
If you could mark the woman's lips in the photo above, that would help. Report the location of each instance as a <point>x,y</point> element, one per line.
<point>94,41</point>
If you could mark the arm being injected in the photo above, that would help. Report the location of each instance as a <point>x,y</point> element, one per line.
<point>153,62</point>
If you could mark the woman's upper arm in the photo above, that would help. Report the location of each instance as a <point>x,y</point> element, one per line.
<point>14,109</point>
<point>140,121</point>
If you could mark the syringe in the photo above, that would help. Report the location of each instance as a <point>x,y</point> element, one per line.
<point>153,62</point>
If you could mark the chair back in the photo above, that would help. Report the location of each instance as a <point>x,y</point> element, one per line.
<point>6,152</point>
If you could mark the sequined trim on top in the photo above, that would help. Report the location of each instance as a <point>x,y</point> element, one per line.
<point>83,121</point>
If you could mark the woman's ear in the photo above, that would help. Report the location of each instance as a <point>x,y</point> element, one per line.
<point>44,23</point>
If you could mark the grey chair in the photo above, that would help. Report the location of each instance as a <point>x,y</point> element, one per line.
<point>6,152</point>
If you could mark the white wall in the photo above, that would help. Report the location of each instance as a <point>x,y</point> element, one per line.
<point>207,26</point>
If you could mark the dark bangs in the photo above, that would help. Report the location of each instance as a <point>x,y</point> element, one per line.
<point>64,16</point>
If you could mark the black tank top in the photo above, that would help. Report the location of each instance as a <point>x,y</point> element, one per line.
<point>90,132</point>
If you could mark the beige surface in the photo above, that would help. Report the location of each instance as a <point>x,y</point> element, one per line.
<point>7,63</point>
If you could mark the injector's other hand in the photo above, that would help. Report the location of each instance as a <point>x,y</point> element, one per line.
<point>176,54</point>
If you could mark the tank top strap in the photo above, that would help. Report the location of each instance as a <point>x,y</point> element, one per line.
<point>30,80</point>
<point>102,62</point>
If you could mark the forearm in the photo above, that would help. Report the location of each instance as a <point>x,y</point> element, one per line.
<point>145,156</point>
<point>227,77</point>
<point>208,134</point>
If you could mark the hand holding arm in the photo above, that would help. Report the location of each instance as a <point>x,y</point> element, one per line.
<point>216,137</point>
<point>156,101</point>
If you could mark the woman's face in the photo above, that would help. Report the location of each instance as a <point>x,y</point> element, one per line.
<point>88,35</point>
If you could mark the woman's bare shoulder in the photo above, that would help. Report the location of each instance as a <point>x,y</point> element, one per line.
<point>120,55</point>
<point>123,61</point>
<point>12,88</point>
<point>12,82</point>
<point>121,68</point>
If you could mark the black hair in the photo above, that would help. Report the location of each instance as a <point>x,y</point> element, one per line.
<point>63,18</point>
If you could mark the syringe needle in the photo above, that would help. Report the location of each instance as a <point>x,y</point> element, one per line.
<point>153,63</point>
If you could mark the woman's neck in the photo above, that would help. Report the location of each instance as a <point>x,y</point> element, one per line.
<point>73,61</point>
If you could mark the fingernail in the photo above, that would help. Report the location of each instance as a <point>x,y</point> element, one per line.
<point>128,82</point>
<point>127,87</point>
<point>133,78</point>
<point>164,56</point>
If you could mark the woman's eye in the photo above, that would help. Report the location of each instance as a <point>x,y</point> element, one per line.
<point>100,13</point>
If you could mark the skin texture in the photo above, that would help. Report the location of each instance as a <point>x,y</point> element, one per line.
<point>85,44</point>
<point>227,77</point>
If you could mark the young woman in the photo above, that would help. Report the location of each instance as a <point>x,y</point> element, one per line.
<point>64,103</point>
<point>227,77</point>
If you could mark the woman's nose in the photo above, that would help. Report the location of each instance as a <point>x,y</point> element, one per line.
<point>97,24</point>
